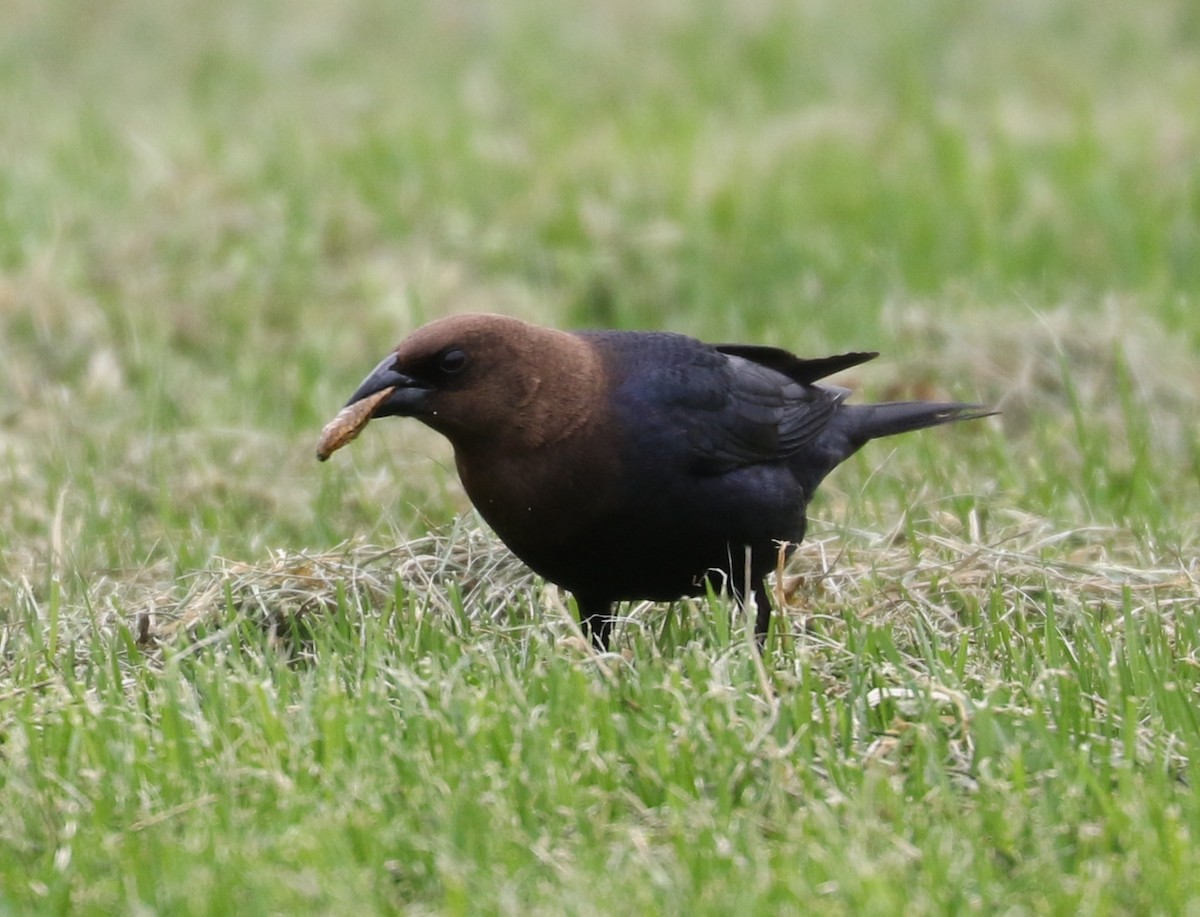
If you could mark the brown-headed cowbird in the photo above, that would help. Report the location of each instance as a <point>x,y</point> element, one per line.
<point>634,465</point>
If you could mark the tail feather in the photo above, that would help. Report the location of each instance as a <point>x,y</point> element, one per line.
<point>865,422</point>
<point>853,425</point>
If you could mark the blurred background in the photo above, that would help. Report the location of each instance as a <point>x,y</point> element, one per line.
<point>216,217</point>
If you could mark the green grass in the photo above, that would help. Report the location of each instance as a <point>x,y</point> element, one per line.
<point>215,218</point>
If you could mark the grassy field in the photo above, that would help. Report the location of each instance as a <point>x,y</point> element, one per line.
<point>235,681</point>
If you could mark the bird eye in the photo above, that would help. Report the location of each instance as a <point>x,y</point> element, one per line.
<point>452,361</point>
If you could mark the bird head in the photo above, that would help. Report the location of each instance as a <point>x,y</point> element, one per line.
<point>480,377</point>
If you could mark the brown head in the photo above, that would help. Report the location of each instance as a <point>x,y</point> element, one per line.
<point>489,381</point>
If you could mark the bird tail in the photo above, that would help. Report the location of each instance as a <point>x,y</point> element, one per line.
<point>863,422</point>
<point>853,425</point>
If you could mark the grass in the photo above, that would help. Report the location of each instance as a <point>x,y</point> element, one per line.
<point>232,679</point>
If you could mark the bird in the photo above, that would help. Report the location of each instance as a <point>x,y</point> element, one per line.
<point>633,465</point>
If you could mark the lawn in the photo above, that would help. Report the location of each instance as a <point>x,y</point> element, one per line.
<point>233,680</point>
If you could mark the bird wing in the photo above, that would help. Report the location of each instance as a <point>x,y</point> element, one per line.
<point>717,410</point>
<point>762,416</point>
<point>797,368</point>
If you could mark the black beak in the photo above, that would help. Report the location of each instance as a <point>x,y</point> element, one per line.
<point>407,400</point>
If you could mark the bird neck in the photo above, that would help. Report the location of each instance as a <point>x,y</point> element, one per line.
<point>551,451</point>
<point>561,396</point>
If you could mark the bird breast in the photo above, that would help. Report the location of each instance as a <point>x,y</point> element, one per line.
<point>533,498</point>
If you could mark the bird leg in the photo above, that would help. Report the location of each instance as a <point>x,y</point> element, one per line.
<point>762,622</point>
<point>762,604</point>
<point>596,621</point>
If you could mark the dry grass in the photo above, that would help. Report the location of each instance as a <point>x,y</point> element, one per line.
<point>877,577</point>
